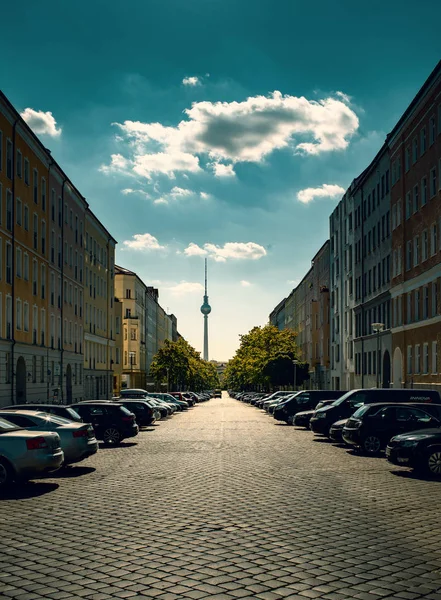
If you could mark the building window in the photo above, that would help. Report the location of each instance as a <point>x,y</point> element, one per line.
<point>417,306</point>
<point>34,277</point>
<point>433,239</point>
<point>416,250</point>
<point>409,360</point>
<point>26,316</point>
<point>8,263</point>
<point>417,358</point>
<point>43,194</point>
<point>434,358</point>
<point>423,191</point>
<point>9,210</point>
<point>432,130</point>
<point>423,141</point>
<point>43,238</point>
<point>425,302</point>
<point>18,260</point>
<point>18,315</point>
<point>19,166</point>
<point>9,159</point>
<point>26,267</point>
<point>434,298</point>
<point>414,150</point>
<point>407,159</point>
<point>19,212</point>
<point>53,204</point>
<point>43,282</point>
<point>35,185</point>
<point>26,217</point>
<point>425,245</point>
<point>35,238</point>
<point>409,308</point>
<point>409,256</point>
<point>26,171</point>
<point>433,182</point>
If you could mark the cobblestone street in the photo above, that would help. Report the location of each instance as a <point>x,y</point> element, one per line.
<point>222,502</point>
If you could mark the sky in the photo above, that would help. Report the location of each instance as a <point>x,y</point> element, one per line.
<point>219,129</point>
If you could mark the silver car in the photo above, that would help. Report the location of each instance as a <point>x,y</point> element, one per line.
<point>27,454</point>
<point>77,439</point>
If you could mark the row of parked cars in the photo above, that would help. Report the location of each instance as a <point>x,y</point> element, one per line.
<point>405,424</point>
<point>36,439</point>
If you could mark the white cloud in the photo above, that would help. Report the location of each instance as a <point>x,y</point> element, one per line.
<point>143,241</point>
<point>128,191</point>
<point>41,122</point>
<point>221,170</point>
<point>191,81</point>
<point>118,164</point>
<point>178,192</point>
<point>186,287</point>
<point>230,250</point>
<point>234,132</point>
<point>293,282</point>
<point>194,250</point>
<point>244,283</point>
<point>205,196</point>
<point>324,191</point>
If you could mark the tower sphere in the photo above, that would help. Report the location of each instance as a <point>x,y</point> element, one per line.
<point>205,308</point>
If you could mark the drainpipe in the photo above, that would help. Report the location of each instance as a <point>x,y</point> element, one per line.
<point>14,151</point>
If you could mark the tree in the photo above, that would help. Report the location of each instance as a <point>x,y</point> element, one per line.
<point>264,359</point>
<point>182,366</point>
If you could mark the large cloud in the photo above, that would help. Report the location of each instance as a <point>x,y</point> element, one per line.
<point>41,122</point>
<point>143,241</point>
<point>230,250</point>
<point>235,132</point>
<point>326,190</point>
<point>185,287</point>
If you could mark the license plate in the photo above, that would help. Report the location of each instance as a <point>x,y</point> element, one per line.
<point>403,460</point>
<point>387,451</point>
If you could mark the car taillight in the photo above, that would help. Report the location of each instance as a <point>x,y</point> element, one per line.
<point>80,433</point>
<point>128,419</point>
<point>37,443</point>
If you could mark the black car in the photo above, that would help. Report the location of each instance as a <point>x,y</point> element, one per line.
<point>302,419</point>
<point>336,431</point>
<point>345,406</point>
<point>419,449</point>
<point>373,425</point>
<point>142,410</point>
<point>61,410</point>
<point>308,399</point>
<point>111,421</point>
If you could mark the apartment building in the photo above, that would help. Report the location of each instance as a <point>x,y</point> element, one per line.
<point>131,292</point>
<point>370,261</point>
<point>319,319</point>
<point>277,316</point>
<point>99,323</point>
<point>415,155</point>
<point>38,360</point>
<point>117,365</point>
<point>342,292</point>
<point>151,300</point>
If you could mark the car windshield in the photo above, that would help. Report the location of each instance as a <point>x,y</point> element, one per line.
<point>361,411</point>
<point>342,399</point>
<point>125,410</point>
<point>73,414</point>
<point>6,426</point>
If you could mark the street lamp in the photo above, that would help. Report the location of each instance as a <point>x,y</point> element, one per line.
<point>132,356</point>
<point>378,328</point>
<point>295,362</point>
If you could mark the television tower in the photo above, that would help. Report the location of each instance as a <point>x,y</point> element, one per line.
<point>205,310</point>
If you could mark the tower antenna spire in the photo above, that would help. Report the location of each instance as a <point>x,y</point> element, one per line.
<point>206,310</point>
<point>205,276</point>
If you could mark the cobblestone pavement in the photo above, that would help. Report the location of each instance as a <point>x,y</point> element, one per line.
<point>223,503</point>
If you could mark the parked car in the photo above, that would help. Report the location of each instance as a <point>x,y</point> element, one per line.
<point>180,396</point>
<point>145,415</point>
<point>27,454</point>
<point>420,450</point>
<point>373,425</point>
<point>78,440</point>
<point>111,421</point>
<point>345,406</point>
<point>60,410</point>
<point>303,400</point>
<point>217,394</point>
<point>302,419</point>
<point>336,431</point>
<point>180,404</point>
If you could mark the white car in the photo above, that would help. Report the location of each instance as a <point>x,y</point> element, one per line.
<point>27,454</point>
<point>78,440</point>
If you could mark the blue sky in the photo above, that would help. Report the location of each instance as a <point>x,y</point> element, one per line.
<point>216,128</point>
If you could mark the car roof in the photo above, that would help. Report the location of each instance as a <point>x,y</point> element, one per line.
<point>32,413</point>
<point>105,402</point>
<point>402,404</point>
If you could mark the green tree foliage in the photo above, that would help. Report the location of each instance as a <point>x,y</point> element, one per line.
<point>183,366</point>
<point>264,359</point>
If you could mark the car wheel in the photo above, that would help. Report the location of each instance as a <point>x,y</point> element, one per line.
<point>112,436</point>
<point>433,462</point>
<point>371,444</point>
<point>6,474</point>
